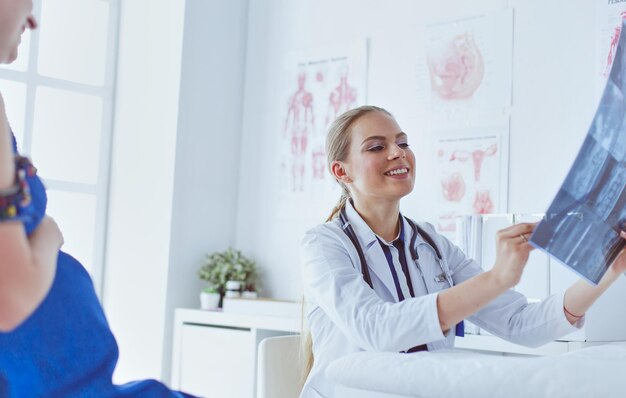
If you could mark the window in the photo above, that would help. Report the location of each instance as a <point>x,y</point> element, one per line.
<point>59,100</point>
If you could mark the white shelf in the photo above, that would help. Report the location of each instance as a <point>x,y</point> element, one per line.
<point>215,318</point>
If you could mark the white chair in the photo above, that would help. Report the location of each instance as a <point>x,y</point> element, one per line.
<point>279,368</point>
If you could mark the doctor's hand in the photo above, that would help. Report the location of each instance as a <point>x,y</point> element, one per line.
<point>512,251</point>
<point>619,265</point>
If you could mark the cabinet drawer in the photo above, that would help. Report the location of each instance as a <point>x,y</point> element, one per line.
<point>217,361</point>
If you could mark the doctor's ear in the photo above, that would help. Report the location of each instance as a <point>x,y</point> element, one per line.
<point>339,171</point>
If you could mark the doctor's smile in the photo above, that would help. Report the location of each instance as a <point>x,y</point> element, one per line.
<point>400,173</point>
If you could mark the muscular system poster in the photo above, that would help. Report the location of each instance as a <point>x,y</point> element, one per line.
<point>318,85</point>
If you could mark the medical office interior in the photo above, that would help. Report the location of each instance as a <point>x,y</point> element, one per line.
<point>199,125</point>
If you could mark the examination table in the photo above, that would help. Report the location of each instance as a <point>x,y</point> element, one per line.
<point>598,371</point>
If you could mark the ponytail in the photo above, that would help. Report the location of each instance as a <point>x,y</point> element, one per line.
<point>306,351</point>
<point>345,195</point>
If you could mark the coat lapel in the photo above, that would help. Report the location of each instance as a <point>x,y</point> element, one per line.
<point>374,254</point>
<point>378,265</point>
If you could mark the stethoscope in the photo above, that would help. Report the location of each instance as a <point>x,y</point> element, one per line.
<point>445,274</point>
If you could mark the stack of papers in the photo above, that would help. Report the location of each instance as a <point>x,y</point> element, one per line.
<point>469,235</point>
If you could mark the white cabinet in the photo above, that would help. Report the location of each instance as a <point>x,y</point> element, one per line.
<point>215,354</point>
<point>217,362</point>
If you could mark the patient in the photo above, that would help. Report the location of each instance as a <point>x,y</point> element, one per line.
<point>374,280</point>
<point>54,337</point>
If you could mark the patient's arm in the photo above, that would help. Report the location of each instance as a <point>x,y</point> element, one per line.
<point>27,264</point>
<point>27,269</point>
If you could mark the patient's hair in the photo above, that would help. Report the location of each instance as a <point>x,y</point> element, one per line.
<point>338,143</point>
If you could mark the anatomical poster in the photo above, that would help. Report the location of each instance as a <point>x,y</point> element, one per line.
<point>581,228</point>
<point>468,63</point>
<point>609,16</point>
<point>318,85</point>
<point>472,169</point>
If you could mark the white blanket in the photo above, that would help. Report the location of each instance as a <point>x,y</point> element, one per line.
<point>591,372</point>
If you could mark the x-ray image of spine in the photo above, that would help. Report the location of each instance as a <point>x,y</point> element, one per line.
<point>456,68</point>
<point>342,98</point>
<point>477,155</point>
<point>582,224</point>
<point>299,125</point>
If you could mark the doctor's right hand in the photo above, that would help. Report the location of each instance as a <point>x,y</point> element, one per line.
<point>512,251</point>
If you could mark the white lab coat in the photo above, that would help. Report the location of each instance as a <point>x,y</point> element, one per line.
<point>345,315</point>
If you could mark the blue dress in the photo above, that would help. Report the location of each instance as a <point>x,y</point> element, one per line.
<point>65,348</point>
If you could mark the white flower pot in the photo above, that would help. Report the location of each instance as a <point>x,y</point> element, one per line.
<point>209,301</point>
<point>249,295</point>
<point>233,289</point>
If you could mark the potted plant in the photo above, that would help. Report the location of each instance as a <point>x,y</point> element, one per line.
<point>210,298</point>
<point>228,265</point>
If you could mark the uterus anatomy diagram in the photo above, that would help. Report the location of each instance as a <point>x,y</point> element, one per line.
<point>456,68</point>
<point>454,185</point>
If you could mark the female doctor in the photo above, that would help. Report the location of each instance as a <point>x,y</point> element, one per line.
<point>376,281</point>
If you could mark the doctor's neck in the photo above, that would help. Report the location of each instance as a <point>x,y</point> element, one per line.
<point>380,215</point>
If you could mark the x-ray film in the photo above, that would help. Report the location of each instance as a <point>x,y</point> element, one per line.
<point>582,225</point>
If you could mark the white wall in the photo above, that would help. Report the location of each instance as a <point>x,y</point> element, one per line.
<point>552,106</point>
<point>142,182</point>
<point>207,148</point>
<point>175,167</point>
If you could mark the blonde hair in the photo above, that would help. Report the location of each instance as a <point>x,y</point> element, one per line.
<point>338,142</point>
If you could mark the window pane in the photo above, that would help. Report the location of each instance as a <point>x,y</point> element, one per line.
<point>73,44</point>
<point>66,135</point>
<point>21,63</point>
<point>14,95</point>
<point>76,214</point>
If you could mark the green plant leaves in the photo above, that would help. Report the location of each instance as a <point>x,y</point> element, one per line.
<point>220,267</point>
